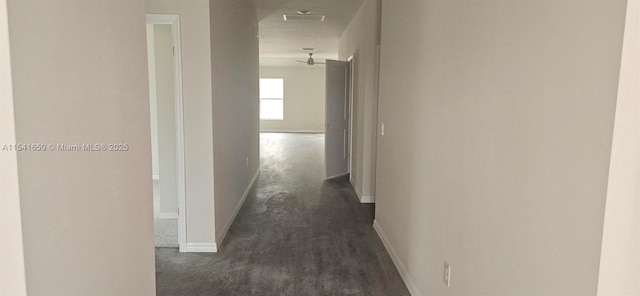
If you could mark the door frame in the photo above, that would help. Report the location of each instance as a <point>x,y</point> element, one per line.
<point>352,64</point>
<point>346,151</point>
<point>174,21</point>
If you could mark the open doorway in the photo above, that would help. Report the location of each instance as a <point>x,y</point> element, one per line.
<point>338,119</point>
<point>292,114</point>
<point>167,139</point>
<point>310,99</point>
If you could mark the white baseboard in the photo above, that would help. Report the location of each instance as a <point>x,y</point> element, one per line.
<point>201,248</point>
<point>227,225</point>
<point>363,199</point>
<point>367,199</point>
<point>355,188</point>
<point>396,261</point>
<point>337,176</point>
<point>168,216</point>
<point>293,131</point>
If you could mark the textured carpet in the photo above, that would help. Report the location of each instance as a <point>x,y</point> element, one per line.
<point>166,233</point>
<point>296,234</point>
<point>165,230</point>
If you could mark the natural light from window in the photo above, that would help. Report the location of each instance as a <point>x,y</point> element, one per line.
<point>271,98</point>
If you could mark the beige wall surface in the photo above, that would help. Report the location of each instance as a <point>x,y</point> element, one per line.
<point>12,274</point>
<point>620,258</point>
<point>234,56</point>
<point>80,76</point>
<point>303,99</point>
<point>361,40</point>
<point>498,130</point>
<point>166,116</point>
<point>198,120</point>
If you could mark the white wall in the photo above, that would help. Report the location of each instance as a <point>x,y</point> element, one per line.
<point>80,76</point>
<point>620,258</point>
<point>215,36</point>
<point>303,99</point>
<point>498,129</point>
<point>198,120</point>
<point>234,56</point>
<point>166,116</point>
<point>360,40</point>
<point>12,273</point>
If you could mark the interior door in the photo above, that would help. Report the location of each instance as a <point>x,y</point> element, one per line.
<point>337,119</point>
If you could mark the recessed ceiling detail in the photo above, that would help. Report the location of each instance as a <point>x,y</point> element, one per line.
<point>304,17</point>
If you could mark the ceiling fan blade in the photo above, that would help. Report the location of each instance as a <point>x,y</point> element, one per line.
<point>299,61</point>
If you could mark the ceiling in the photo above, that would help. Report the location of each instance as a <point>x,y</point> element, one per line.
<point>281,42</point>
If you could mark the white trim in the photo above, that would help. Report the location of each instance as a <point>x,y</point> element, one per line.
<point>168,216</point>
<point>156,177</point>
<point>336,176</point>
<point>367,199</point>
<point>227,225</point>
<point>352,67</point>
<point>200,248</point>
<point>363,199</point>
<point>174,21</point>
<point>355,188</point>
<point>292,131</point>
<point>413,290</point>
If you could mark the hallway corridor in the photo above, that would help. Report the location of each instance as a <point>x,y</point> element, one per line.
<point>295,235</point>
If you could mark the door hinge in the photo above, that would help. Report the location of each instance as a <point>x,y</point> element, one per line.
<point>173,50</point>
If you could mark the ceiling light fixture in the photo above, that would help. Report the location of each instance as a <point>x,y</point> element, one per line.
<point>310,62</point>
<point>304,11</point>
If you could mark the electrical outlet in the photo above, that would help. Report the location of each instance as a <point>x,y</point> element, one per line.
<point>382,130</point>
<point>446,274</point>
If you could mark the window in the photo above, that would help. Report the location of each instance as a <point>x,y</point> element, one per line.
<point>271,98</point>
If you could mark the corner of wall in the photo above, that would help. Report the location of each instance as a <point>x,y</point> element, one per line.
<point>363,198</point>
<point>233,29</point>
<point>225,229</point>
<point>198,115</point>
<point>361,39</point>
<point>12,269</point>
<point>620,253</point>
<point>404,273</point>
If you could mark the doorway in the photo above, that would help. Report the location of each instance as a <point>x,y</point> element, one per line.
<point>167,135</point>
<point>338,118</point>
<point>352,65</point>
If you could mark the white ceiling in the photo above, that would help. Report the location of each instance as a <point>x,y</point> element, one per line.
<point>282,42</point>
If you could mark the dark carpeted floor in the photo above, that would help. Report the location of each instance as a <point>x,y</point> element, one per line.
<point>296,234</point>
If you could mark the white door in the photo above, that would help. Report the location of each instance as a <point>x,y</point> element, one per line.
<point>337,119</point>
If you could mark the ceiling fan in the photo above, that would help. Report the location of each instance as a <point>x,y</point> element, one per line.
<point>310,62</point>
